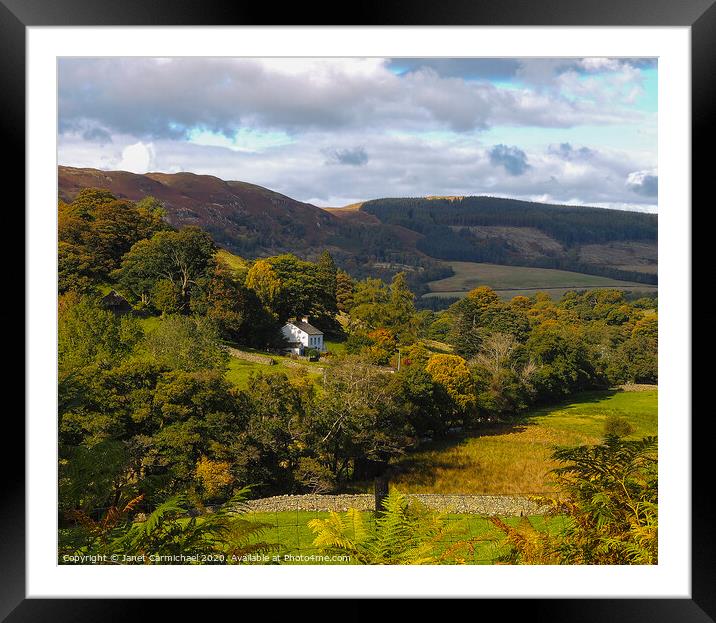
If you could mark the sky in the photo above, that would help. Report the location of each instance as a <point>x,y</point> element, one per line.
<point>335,131</point>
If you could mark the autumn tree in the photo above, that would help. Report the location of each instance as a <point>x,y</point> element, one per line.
<point>453,374</point>
<point>264,281</point>
<point>96,230</point>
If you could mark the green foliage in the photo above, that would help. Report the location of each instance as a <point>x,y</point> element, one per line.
<point>358,417</point>
<point>237,311</point>
<point>289,287</point>
<point>88,334</point>
<point>344,291</point>
<point>617,426</point>
<point>277,410</point>
<point>478,315</point>
<point>187,343</point>
<point>503,376</point>
<point>379,306</point>
<point>424,401</point>
<point>184,258</point>
<point>635,361</point>
<point>561,354</point>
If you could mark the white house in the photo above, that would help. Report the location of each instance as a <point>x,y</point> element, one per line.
<point>301,336</point>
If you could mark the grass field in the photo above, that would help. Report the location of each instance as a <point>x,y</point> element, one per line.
<point>239,370</point>
<point>290,530</point>
<point>521,280</point>
<point>516,458</point>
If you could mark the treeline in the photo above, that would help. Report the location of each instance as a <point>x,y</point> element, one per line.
<point>569,225</point>
<point>435,303</point>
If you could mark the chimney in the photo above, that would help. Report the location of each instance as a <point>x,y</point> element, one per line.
<point>305,319</point>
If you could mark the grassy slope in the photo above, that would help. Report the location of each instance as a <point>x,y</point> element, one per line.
<point>516,459</point>
<point>469,275</point>
<point>233,262</point>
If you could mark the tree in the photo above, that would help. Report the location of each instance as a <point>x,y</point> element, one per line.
<point>88,334</point>
<point>425,401</point>
<point>481,313</point>
<point>453,374</point>
<point>382,347</point>
<point>358,417</point>
<point>562,357</point>
<point>503,383</point>
<point>378,306</point>
<point>264,281</point>
<point>185,258</point>
<point>647,327</point>
<point>187,343</point>
<point>344,291</point>
<point>214,476</point>
<point>636,360</point>
<point>96,230</point>
<point>237,311</point>
<point>192,415</point>
<point>328,276</point>
<point>275,431</point>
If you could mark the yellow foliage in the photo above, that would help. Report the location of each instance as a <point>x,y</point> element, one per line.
<point>452,372</point>
<point>213,475</point>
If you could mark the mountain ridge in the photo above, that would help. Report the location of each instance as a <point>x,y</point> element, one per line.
<point>381,236</point>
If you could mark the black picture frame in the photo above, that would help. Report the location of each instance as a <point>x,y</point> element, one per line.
<point>699,15</point>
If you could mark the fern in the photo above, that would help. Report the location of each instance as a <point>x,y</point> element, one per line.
<point>404,534</point>
<point>611,505</point>
<point>225,536</point>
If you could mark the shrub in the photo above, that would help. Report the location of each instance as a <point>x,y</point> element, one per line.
<point>618,426</point>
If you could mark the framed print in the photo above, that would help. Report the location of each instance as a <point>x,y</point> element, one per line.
<point>365,310</point>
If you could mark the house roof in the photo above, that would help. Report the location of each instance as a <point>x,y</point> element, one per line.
<point>115,300</point>
<point>305,327</point>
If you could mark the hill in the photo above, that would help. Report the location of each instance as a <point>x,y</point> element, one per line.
<point>245,218</point>
<point>610,243</point>
<point>420,236</point>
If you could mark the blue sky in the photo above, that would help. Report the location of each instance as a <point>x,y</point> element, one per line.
<point>336,131</point>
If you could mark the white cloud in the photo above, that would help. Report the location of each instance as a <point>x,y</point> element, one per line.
<point>397,166</point>
<point>168,99</point>
<point>287,123</point>
<point>137,158</point>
